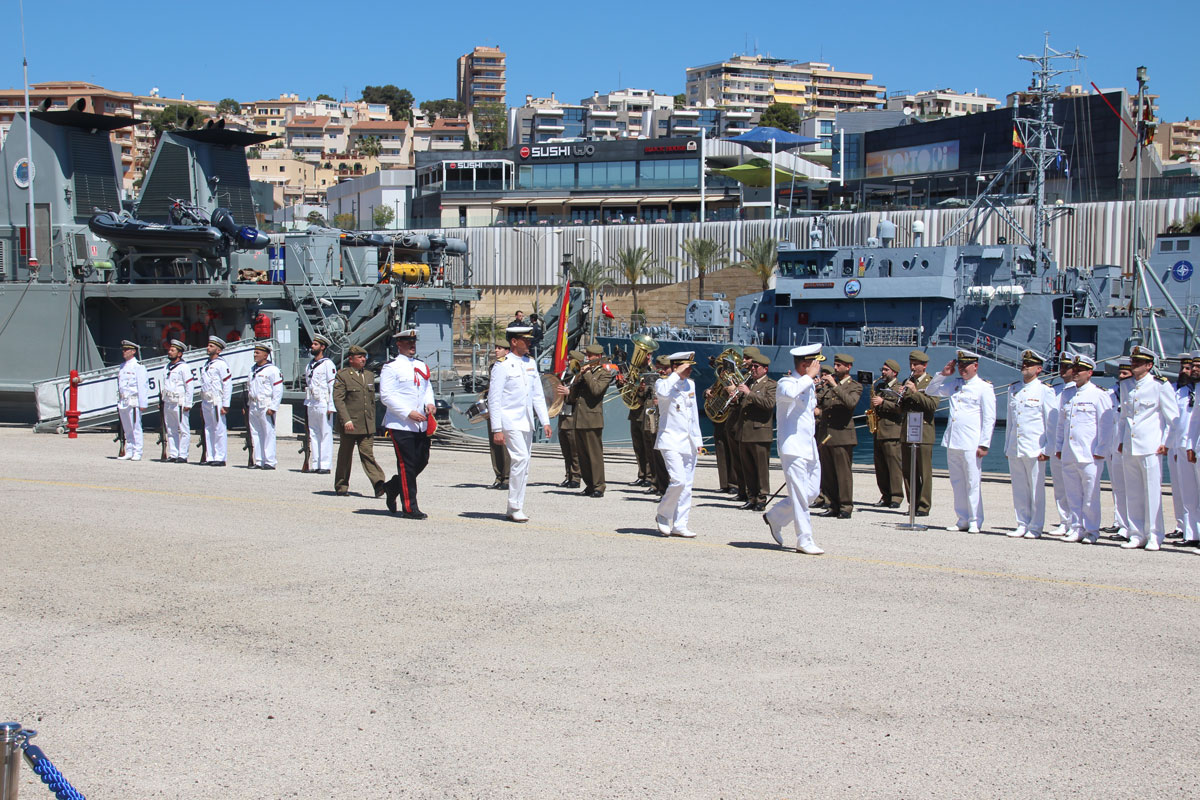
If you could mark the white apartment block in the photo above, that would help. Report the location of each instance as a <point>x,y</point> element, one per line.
<point>935,103</point>
<point>752,83</point>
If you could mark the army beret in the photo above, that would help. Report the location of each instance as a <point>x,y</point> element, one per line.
<point>761,359</point>
<point>578,355</point>
<point>918,357</point>
<point>843,358</point>
<point>750,351</point>
<point>826,370</point>
<point>501,344</point>
<point>355,350</point>
<point>892,365</point>
<point>594,350</point>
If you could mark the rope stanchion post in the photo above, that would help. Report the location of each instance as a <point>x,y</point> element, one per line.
<point>10,760</point>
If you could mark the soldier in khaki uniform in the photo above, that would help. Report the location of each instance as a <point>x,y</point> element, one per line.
<point>587,393</point>
<point>568,442</point>
<point>837,435</point>
<point>501,462</point>
<point>885,401</point>
<point>637,423</point>
<point>733,437</point>
<point>756,431</point>
<point>728,467</point>
<point>354,400</point>
<point>822,388</point>
<point>659,479</point>
<point>913,398</point>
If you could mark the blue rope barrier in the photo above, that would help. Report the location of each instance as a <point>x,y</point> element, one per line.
<point>49,774</point>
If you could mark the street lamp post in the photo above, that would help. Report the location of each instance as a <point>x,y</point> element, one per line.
<point>582,240</point>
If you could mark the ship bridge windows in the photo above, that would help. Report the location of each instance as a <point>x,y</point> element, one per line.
<point>1166,246</point>
<point>1183,244</point>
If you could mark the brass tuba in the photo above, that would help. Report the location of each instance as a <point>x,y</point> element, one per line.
<point>728,368</point>
<point>643,346</point>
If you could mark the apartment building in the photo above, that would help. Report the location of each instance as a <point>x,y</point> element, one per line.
<point>63,94</point>
<point>395,141</point>
<point>310,138</point>
<point>936,103</point>
<point>1179,140</point>
<point>545,119</point>
<point>481,77</point>
<point>752,83</point>
<point>446,133</point>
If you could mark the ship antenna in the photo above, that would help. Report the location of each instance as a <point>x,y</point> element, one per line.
<point>31,222</point>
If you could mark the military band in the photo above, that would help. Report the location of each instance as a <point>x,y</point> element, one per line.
<point>754,430</point>
<point>836,435</point>
<point>888,424</point>
<point>915,400</point>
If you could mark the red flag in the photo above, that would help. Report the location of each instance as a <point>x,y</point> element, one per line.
<point>1017,143</point>
<point>560,346</point>
<point>604,309</point>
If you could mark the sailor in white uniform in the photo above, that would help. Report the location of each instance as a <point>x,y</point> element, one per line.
<point>407,394</point>
<point>1183,476</point>
<point>1081,443</point>
<point>968,434</point>
<point>216,392</point>
<point>515,395</point>
<point>1116,462</point>
<point>318,402</point>
<point>679,442</point>
<point>795,404</point>
<point>177,398</point>
<point>1028,442</point>
<point>1148,410</point>
<point>265,389</point>
<point>1066,371</point>
<point>1191,537</point>
<point>133,395</point>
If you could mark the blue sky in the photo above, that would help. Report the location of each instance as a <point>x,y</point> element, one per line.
<point>254,50</point>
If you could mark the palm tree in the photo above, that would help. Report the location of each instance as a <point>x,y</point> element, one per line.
<point>632,264</point>
<point>368,146</point>
<point>484,331</point>
<point>592,274</point>
<point>706,255</point>
<point>760,258</point>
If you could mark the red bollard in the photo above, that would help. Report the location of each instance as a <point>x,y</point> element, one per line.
<point>73,406</point>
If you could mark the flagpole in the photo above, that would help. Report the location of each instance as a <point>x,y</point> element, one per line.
<point>32,239</point>
<point>703,136</point>
<point>772,177</point>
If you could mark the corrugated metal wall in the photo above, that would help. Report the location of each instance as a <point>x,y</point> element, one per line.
<point>1097,233</point>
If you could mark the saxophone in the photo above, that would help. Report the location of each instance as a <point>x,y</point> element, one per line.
<point>872,417</point>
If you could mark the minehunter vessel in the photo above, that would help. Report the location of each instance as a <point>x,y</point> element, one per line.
<point>184,262</point>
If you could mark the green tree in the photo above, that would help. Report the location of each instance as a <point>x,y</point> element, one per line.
<point>368,147</point>
<point>446,107</point>
<point>229,106</point>
<point>760,258</point>
<point>680,100</point>
<point>781,115</point>
<point>382,216</point>
<point>592,275</point>
<point>316,218</point>
<point>254,152</point>
<point>705,255</point>
<point>345,221</point>
<point>484,331</point>
<point>634,264</point>
<point>329,97</point>
<point>399,101</point>
<point>174,116</point>
<point>491,125</point>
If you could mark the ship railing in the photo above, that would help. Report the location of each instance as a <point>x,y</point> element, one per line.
<point>665,330</point>
<point>986,344</point>
<point>902,336</point>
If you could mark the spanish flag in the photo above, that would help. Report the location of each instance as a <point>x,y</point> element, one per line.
<point>1017,143</point>
<point>560,344</point>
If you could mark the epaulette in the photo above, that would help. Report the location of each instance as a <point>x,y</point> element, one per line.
<point>1160,379</point>
<point>985,380</point>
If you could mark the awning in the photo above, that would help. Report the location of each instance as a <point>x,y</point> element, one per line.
<point>757,172</point>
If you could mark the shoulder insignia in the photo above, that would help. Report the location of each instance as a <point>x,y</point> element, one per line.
<point>1160,379</point>
<point>985,380</point>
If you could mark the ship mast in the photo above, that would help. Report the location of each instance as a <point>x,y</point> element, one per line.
<point>1042,136</point>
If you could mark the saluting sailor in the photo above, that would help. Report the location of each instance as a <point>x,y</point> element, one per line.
<point>1116,462</point>
<point>1183,477</point>
<point>265,390</point>
<point>216,392</point>
<point>796,402</point>
<point>406,392</point>
<point>1191,537</point>
<point>1066,371</point>
<point>318,400</point>
<point>679,442</point>
<point>968,434</point>
<point>1081,442</point>
<point>1028,442</point>
<point>133,396</point>
<point>514,396</point>
<point>1148,410</point>
<point>178,396</point>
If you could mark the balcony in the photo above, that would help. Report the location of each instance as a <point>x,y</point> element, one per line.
<point>549,125</point>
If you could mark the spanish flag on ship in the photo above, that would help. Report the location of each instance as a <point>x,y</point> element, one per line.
<point>1018,143</point>
<point>560,346</point>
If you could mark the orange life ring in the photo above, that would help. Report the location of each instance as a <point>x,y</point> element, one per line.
<point>172,330</point>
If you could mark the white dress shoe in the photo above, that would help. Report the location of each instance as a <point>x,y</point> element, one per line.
<point>683,532</point>
<point>125,457</point>
<point>973,529</point>
<point>776,533</point>
<point>1090,538</point>
<point>135,458</point>
<point>1033,534</point>
<point>1018,533</point>
<point>1073,536</point>
<point>1133,544</point>
<point>664,527</point>
<point>1059,530</point>
<point>956,527</point>
<point>517,516</point>
<point>1152,544</point>
<point>809,549</point>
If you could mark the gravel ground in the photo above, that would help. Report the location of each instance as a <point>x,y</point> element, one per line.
<point>175,631</point>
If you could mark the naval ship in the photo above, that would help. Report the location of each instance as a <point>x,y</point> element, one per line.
<point>184,261</point>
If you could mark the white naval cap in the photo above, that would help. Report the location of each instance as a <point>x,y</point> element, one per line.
<point>319,339</point>
<point>811,351</point>
<point>1124,362</point>
<point>1066,357</point>
<point>966,356</point>
<point>217,340</point>
<point>128,345</point>
<point>266,348</point>
<point>176,343</point>
<point>1140,353</point>
<point>407,333</point>
<point>1196,355</point>
<point>1085,362</point>
<point>519,332</point>
<point>683,357</point>
<point>1032,356</point>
